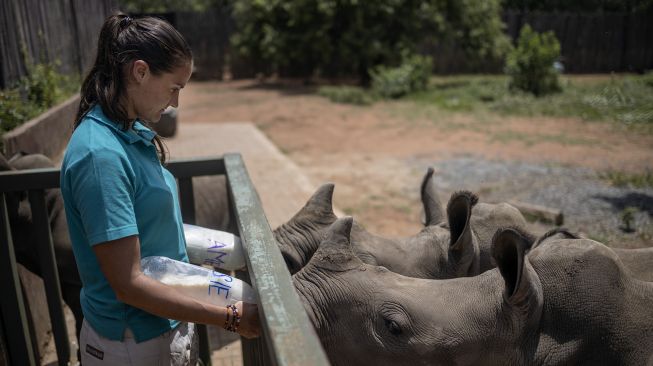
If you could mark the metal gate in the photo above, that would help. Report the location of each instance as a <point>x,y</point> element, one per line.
<point>288,337</point>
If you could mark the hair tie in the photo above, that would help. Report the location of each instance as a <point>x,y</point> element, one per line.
<point>125,22</point>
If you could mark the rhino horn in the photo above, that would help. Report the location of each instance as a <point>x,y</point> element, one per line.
<point>320,206</point>
<point>509,247</point>
<point>462,245</point>
<point>433,214</point>
<point>335,252</point>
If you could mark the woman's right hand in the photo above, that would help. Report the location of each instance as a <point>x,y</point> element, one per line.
<point>250,325</point>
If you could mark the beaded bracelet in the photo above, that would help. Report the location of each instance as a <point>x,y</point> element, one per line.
<point>235,319</point>
<point>226,322</point>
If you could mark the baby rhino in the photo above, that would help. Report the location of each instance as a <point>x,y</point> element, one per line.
<point>568,302</point>
<point>453,243</point>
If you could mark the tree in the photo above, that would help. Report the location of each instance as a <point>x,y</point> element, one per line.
<point>163,6</point>
<point>348,37</point>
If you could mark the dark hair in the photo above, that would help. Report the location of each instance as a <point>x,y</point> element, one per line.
<point>122,40</point>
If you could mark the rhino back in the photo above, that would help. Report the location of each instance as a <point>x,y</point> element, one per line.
<point>594,311</point>
<point>638,261</point>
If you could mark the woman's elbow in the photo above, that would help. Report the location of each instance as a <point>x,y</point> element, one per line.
<point>126,291</point>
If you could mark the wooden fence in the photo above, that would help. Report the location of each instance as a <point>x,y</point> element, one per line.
<point>594,43</point>
<point>38,31</point>
<point>591,43</point>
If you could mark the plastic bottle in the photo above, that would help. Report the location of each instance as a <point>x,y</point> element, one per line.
<point>201,283</point>
<point>213,247</point>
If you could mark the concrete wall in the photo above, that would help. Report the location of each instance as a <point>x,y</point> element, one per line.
<point>46,134</point>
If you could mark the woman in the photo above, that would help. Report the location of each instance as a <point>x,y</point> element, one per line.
<point>121,203</point>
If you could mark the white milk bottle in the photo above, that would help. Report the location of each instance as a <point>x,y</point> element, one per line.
<point>213,247</point>
<point>201,283</point>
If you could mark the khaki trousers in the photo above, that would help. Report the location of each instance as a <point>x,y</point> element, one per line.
<point>176,347</point>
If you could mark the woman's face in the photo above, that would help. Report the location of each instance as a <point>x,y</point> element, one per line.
<point>148,95</point>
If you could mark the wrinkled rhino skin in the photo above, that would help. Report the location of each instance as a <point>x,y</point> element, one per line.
<point>638,261</point>
<point>566,302</point>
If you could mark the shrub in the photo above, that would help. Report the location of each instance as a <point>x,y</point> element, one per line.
<point>349,38</point>
<point>531,64</point>
<point>13,111</point>
<point>627,217</point>
<point>346,94</point>
<point>648,79</point>
<point>412,75</point>
<point>41,85</point>
<point>42,88</point>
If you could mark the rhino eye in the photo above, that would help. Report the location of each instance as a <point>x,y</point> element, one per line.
<point>392,327</point>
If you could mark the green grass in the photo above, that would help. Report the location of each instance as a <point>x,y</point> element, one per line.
<point>622,99</point>
<point>622,179</point>
<point>626,99</point>
<point>532,139</point>
<point>347,94</point>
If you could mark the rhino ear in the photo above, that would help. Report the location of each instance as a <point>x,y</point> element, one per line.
<point>319,208</point>
<point>509,247</point>
<point>335,252</point>
<point>433,214</point>
<point>299,238</point>
<point>462,246</point>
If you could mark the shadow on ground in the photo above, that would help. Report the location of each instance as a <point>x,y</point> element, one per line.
<point>643,202</point>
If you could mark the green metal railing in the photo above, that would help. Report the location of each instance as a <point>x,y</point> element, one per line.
<point>288,337</point>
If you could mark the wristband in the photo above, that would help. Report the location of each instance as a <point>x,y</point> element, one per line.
<point>235,319</point>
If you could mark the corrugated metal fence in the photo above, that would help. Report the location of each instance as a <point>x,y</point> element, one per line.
<point>37,31</point>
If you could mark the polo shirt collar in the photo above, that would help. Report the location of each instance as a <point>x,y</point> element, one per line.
<point>138,132</point>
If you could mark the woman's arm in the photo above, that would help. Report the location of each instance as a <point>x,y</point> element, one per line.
<point>120,262</point>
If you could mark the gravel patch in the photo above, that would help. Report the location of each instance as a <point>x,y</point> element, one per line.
<point>590,204</point>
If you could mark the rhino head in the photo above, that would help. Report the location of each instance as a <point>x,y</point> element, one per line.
<point>368,315</point>
<point>446,248</point>
<point>566,302</point>
<point>299,238</point>
<point>453,243</point>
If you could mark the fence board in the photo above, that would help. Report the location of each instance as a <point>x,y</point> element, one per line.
<point>37,31</point>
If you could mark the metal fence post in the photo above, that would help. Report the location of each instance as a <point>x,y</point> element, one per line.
<point>11,301</point>
<point>50,274</point>
<point>287,332</point>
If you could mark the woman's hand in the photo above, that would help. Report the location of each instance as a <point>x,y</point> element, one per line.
<point>250,325</point>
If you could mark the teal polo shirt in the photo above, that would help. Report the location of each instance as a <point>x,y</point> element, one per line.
<point>114,186</point>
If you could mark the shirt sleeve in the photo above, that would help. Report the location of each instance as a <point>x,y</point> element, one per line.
<point>102,189</point>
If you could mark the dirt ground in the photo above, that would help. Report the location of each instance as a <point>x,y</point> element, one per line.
<point>369,152</point>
